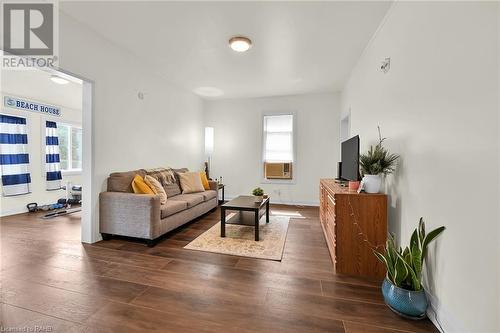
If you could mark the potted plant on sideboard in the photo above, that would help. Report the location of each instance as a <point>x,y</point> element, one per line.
<point>258,193</point>
<point>402,288</point>
<point>374,163</point>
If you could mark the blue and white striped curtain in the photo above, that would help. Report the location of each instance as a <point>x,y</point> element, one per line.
<point>52,159</point>
<point>14,157</point>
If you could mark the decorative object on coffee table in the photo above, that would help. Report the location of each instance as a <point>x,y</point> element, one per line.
<point>402,288</point>
<point>249,213</point>
<point>258,193</point>
<point>374,163</point>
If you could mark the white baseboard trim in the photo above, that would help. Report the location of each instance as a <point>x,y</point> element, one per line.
<point>444,321</point>
<point>295,203</point>
<point>13,212</point>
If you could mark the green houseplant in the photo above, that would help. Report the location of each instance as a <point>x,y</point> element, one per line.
<point>375,162</point>
<point>258,194</point>
<point>402,288</point>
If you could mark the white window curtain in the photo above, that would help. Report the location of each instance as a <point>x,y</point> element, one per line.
<point>278,138</point>
<point>14,157</point>
<point>52,159</point>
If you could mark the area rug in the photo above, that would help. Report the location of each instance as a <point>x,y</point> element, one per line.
<point>240,241</point>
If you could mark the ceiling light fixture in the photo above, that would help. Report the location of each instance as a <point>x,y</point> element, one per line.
<point>58,79</point>
<point>240,43</point>
<point>208,92</point>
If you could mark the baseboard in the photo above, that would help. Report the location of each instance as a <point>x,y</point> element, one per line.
<point>296,203</point>
<point>276,202</point>
<point>442,318</point>
<point>13,212</point>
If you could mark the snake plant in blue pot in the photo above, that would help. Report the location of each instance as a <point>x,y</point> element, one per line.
<point>402,288</point>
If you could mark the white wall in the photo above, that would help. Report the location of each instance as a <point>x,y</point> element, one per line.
<point>439,107</point>
<point>238,143</point>
<point>163,129</point>
<point>20,85</point>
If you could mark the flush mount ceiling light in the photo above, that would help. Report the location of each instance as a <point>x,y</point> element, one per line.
<point>208,92</point>
<point>58,79</point>
<point>240,43</point>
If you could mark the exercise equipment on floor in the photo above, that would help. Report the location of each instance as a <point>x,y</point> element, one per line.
<point>63,205</point>
<point>61,212</point>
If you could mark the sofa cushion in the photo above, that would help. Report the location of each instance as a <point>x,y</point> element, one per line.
<point>165,176</point>
<point>120,184</point>
<point>172,207</point>
<point>191,182</point>
<point>156,187</point>
<point>210,194</point>
<point>122,181</point>
<point>140,186</point>
<point>204,180</point>
<point>174,189</point>
<point>191,199</point>
<point>130,174</point>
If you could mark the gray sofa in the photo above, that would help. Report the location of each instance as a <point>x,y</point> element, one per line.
<point>124,213</point>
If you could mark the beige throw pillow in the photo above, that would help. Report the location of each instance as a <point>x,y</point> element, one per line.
<point>157,188</point>
<point>191,182</point>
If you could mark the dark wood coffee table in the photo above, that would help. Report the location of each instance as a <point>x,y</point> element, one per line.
<point>249,213</point>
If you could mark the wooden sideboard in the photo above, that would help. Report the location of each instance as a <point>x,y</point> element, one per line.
<point>352,224</point>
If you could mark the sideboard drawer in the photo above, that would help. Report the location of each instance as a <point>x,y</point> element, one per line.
<point>331,199</point>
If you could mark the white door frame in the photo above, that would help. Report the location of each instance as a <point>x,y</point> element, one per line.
<point>89,223</point>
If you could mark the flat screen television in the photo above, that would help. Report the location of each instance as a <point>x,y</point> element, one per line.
<point>350,159</point>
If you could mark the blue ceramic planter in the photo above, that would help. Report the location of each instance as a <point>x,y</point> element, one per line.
<point>412,304</point>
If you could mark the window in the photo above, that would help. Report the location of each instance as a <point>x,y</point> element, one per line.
<point>70,147</point>
<point>278,138</point>
<point>278,147</point>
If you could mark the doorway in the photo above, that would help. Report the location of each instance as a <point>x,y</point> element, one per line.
<point>345,126</point>
<point>53,108</point>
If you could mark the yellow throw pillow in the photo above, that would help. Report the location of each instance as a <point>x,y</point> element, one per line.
<point>204,180</point>
<point>140,187</point>
<point>157,188</point>
<point>191,182</point>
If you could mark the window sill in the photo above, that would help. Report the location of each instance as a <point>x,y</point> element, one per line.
<point>71,172</point>
<point>279,181</point>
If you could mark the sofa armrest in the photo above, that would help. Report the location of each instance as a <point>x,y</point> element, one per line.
<point>212,184</point>
<point>129,214</point>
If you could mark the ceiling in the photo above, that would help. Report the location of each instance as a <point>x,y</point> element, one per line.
<point>36,84</point>
<point>298,47</point>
